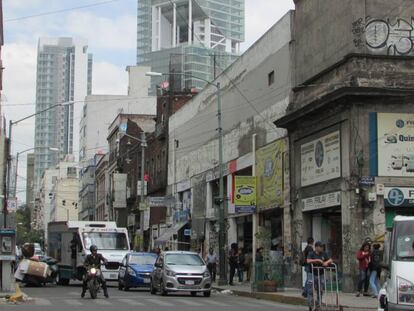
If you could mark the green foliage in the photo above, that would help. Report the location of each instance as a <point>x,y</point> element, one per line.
<point>25,234</point>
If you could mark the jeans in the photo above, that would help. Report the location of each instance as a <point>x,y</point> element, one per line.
<point>212,269</point>
<point>240,272</point>
<point>374,282</point>
<point>363,280</point>
<point>317,283</point>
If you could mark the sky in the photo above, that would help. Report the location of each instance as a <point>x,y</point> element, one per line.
<point>110,28</point>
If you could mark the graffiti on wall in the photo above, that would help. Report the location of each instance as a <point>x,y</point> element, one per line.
<point>385,36</point>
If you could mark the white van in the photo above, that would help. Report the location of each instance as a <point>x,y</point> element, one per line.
<point>69,243</point>
<point>397,293</point>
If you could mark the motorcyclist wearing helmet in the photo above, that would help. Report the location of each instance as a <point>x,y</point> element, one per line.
<point>94,259</point>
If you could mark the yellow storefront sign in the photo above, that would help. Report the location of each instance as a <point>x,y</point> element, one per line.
<point>272,173</point>
<point>245,194</point>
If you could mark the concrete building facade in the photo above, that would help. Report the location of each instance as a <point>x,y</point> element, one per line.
<point>64,76</point>
<point>255,90</point>
<point>349,123</point>
<point>99,111</point>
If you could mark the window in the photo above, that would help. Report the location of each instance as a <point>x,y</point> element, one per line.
<point>271,78</point>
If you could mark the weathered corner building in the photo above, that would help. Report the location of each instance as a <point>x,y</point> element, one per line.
<point>350,123</point>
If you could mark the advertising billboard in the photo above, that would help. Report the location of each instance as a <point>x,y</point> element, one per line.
<point>272,173</point>
<point>399,197</point>
<point>245,194</point>
<point>395,144</point>
<point>321,159</point>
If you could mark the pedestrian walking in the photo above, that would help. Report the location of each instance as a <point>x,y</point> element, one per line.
<point>318,258</point>
<point>375,270</point>
<point>240,266</point>
<point>306,252</point>
<point>233,261</point>
<point>212,260</point>
<point>364,259</point>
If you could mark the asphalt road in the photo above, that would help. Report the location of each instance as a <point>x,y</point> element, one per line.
<point>66,298</point>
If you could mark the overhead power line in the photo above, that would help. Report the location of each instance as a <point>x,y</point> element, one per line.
<point>61,10</point>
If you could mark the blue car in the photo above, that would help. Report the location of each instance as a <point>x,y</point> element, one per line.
<point>135,270</point>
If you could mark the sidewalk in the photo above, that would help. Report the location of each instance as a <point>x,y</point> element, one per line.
<point>293,296</point>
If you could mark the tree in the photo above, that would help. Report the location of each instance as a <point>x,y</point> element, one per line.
<point>25,234</point>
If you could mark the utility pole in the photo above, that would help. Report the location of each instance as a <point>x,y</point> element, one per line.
<point>222,214</point>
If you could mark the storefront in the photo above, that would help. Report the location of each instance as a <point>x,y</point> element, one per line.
<point>323,213</point>
<point>398,201</point>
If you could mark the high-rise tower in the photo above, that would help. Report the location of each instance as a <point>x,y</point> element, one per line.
<point>64,76</point>
<point>193,37</point>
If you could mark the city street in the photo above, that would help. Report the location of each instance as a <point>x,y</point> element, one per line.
<point>65,298</point>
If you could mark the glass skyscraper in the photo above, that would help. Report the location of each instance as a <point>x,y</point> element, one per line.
<point>193,37</point>
<point>64,76</point>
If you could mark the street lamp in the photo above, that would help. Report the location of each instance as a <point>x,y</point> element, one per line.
<point>221,200</point>
<point>13,195</point>
<point>11,123</point>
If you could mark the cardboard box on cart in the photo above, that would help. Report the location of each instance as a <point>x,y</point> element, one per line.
<point>39,269</point>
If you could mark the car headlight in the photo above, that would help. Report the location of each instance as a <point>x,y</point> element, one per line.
<point>170,273</point>
<point>93,271</point>
<point>405,291</point>
<point>131,271</point>
<point>206,274</point>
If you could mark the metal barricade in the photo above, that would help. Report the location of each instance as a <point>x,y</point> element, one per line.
<point>324,294</point>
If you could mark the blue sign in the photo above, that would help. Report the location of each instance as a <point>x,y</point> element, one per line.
<point>7,232</point>
<point>245,209</point>
<point>395,197</point>
<point>187,232</point>
<point>367,181</point>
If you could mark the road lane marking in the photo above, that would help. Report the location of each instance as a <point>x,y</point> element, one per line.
<point>131,302</point>
<point>72,302</point>
<point>189,302</point>
<point>160,302</point>
<point>42,302</point>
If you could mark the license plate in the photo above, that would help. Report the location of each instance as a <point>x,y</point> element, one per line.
<point>146,281</point>
<point>113,276</point>
<point>189,282</point>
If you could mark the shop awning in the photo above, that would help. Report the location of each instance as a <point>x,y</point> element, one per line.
<point>166,236</point>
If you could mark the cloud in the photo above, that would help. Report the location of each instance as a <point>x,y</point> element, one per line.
<point>109,79</point>
<point>261,15</point>
<point>102,32</point>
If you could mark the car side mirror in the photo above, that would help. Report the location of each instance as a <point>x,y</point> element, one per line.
<point>158,265</point>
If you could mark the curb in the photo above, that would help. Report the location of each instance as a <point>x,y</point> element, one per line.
<point>290,300</point>
<point>297,301</point>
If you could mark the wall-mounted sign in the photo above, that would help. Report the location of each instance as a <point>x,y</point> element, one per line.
<point>187,232</point>
<point>156,201</point>
<point>399,197</point>
<point>272,180</point>
<point>245,194</point>
<point>367,181</point>
<point>321,159</point>
<point>321,201</point>
<point>395,144</point>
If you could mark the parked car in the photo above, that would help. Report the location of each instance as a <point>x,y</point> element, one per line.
<point>135,270</point>
<point>176,271</point>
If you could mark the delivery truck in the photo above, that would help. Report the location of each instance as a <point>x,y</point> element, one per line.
<point>397,293</point>
<point>69,243</point>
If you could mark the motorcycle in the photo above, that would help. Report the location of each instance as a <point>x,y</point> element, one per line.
<point>93,283</point>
